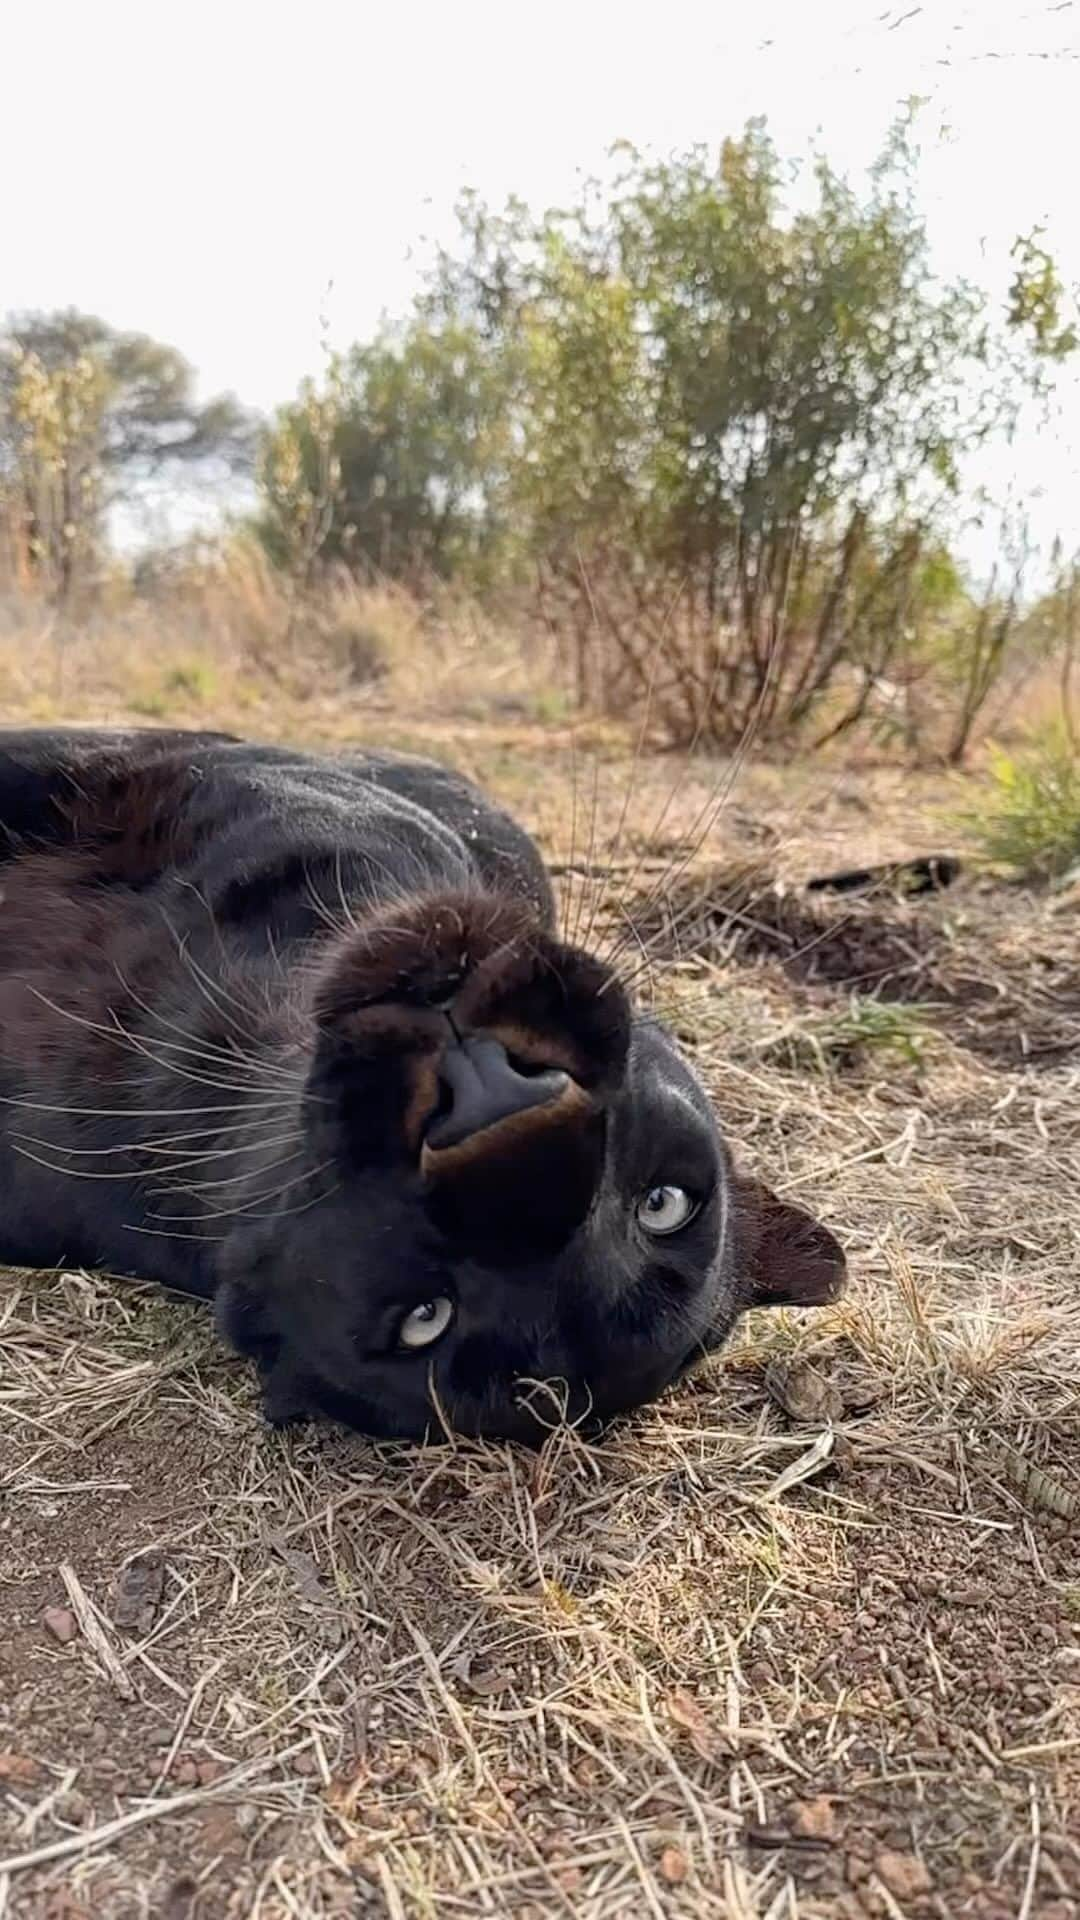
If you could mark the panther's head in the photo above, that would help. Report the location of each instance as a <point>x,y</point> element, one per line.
<point>518,1206</point>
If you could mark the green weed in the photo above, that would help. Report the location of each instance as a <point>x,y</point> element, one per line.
<point>1029,824</point>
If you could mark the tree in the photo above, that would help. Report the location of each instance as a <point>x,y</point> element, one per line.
<point>87,416</point>
<point>723,432</point>
<point>1039,302</point>
<point>393,466</point>
<point>728,417</point>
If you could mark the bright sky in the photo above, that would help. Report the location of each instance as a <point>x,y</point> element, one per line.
<point>205,173</point>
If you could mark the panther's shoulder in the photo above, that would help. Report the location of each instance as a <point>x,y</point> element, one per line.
<point>257,806</point>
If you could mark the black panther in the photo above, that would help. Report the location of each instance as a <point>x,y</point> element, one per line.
<point>299,1034</point>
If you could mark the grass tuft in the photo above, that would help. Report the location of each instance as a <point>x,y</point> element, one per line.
<point>1029,824</point>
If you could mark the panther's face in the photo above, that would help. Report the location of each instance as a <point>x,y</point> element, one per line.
<point>519,1208</point>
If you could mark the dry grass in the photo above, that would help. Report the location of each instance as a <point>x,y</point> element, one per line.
<point>222,635</point>
<point>214,631</point>
<point>801,1641</point>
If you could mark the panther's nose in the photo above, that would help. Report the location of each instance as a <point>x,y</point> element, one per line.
<point>480,1085</point>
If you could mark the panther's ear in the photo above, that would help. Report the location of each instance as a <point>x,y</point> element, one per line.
<point>784,1257</point>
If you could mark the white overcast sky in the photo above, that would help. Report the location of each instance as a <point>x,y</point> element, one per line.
<point>205,172</point>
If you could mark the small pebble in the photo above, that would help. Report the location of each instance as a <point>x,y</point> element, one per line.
<point>674,1866</point>
<point>903,1874</point>
<point>814,1819</point>
<point>61,1623</point>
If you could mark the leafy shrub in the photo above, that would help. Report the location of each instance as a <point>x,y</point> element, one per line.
<point>1030,823</point>
<point>716,432</point>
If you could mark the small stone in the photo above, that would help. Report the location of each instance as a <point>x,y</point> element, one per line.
<point>903,1874</point>
<point>186,1773</point>
<point>139,1590</point>
<point>208,1771</point>
<point>180,1899</point>
<point>61,1623</point>
<point>814,1819</point>
<point>17,1769</point>
<point>674,1866</point>
<point>73,1806</point>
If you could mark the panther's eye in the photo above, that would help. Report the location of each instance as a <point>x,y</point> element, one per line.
<point>665,1209</point>
<point>426,1323</point>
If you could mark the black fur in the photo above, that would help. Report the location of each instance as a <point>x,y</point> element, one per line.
<point>228,974</point>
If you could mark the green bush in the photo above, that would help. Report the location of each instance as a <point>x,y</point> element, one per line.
<point>1030,824</point>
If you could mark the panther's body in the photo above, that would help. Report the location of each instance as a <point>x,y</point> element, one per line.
<point>300,1034</point>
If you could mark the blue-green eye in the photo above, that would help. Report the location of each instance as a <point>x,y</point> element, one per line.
<point>665,1209</point>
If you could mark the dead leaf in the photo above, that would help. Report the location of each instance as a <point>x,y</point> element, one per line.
<point>303,1569</point>
<point>310,1585</point>
<point>806,1466</point>
<point>707,1741</point>
<point>483,1681</point>
<point>804,1394</point>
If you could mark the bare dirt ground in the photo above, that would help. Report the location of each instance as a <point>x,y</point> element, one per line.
<point>801,1641</point>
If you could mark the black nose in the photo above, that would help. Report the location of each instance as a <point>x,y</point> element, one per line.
<point>481,1085</point>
